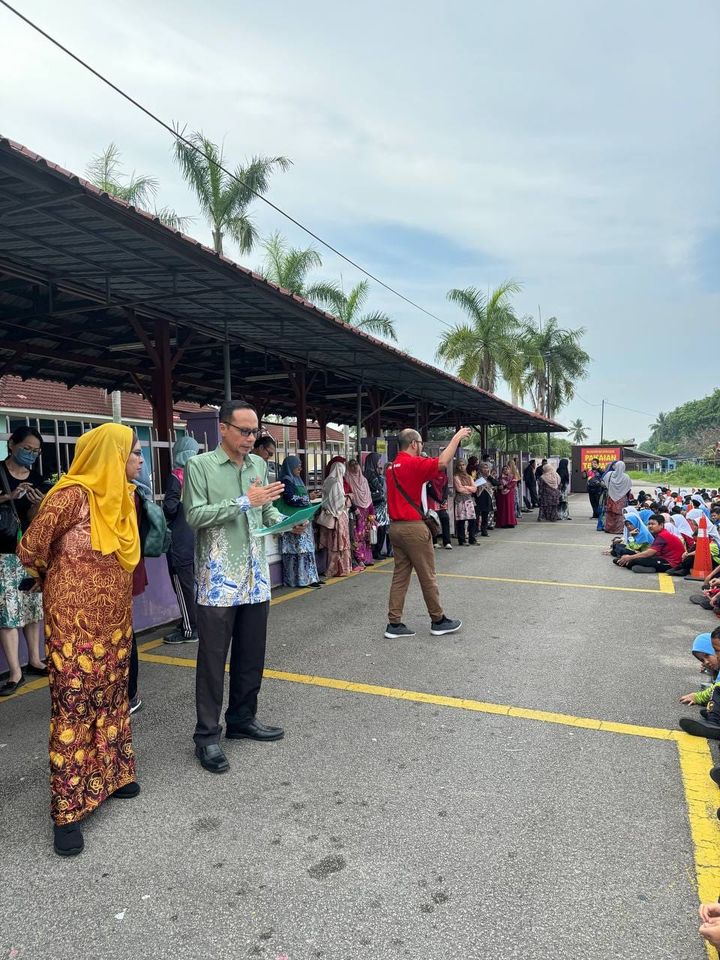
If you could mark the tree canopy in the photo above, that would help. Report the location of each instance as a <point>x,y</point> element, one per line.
<point>690,430</point>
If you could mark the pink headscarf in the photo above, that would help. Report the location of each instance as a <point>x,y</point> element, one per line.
<point>359,487</point>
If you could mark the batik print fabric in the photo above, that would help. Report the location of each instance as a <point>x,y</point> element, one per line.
<point>87,600</point>
<point>298,558</point>
<point>17,607</point>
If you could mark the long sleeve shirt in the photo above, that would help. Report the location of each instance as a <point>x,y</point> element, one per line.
<point>231,568</point>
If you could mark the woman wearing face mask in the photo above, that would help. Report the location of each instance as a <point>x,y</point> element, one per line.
<point>22,486</point>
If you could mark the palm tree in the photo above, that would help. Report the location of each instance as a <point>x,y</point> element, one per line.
<point>555,361</point>
<point>349,307</point>
<point>486,346</point>
<point>661,421</point>
<point>224,199</point>
<point>578,431</point>
<point>104,171</point>
<point>289,267</point>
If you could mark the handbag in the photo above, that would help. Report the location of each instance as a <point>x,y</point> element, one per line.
<point>325,519</point>
<point>155,535</point>
<point>430,522</point>
<point>9,517</point>
<point>373,536</point>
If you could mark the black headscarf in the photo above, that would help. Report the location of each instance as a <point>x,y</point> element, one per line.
<point>563,472</point>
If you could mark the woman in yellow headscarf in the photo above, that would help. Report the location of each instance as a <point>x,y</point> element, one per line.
<point>83,546</point>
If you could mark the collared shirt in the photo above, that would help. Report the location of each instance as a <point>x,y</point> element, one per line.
<point>230,563</point>
<point>413,473</point>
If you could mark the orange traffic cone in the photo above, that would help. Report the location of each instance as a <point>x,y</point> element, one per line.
<point>702,565</point>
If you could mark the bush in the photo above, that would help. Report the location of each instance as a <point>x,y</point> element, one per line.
<point>687,475</point>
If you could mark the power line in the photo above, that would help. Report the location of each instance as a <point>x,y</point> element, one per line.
<point>178,136</point>
<point>643,413</point>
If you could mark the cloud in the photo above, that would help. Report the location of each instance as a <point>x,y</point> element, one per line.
<point>570,145</point>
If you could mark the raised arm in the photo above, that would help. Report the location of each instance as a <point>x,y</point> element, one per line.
<point>448,454</point>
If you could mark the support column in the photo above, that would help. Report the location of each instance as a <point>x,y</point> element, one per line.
<point>226,366</point>
<point>359,421</point>
<point>162,394</point>
<point>301,424</point>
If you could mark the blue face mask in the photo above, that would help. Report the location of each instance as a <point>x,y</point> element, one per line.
<point>26,458</point>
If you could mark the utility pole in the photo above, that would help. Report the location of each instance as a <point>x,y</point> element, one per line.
<point>602,424</point>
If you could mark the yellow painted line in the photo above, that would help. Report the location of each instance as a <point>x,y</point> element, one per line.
<point>701,796</point>
<point>549,543</point>
<point>458,703</point>
<point>309,591</point>
<point>27,688</point>
<point>667,584</point>
<point>150,645</point>
<point>543,583</point>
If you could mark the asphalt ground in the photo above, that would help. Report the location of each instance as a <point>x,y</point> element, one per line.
<point>514,790</point>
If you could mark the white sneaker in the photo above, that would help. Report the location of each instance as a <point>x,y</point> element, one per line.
<point>448,546</point>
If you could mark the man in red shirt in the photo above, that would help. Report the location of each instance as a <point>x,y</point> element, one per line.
<point>664,552</point>
<point>410,537</point>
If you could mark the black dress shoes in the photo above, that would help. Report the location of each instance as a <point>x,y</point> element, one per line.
<point>68,840</point>
<point>254,730</point>
<point>212,758</point>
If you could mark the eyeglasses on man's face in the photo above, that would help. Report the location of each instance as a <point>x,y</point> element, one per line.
<point>243,431</point>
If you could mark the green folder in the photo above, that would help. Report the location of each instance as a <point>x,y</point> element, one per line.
<point>307,513</point>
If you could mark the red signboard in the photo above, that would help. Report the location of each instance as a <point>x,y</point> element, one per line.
<point>606,456</point>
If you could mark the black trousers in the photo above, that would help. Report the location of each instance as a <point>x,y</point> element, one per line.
<point>484,517</point>
<point>382,536</point>
<point>183,581</point>
<point>655,562</point>
<point>444,519</point>
<point>245,627</point>
<point>460,530</point>
<point>594,494</point>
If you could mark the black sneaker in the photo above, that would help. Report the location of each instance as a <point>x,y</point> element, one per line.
<point>395,630</point>
<point>715,775</point>
<point>441,627</point>
<point>177,636</point>
<point>135,704</point>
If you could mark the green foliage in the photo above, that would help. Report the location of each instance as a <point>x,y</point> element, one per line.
<point>483,348</point>
<point>540,360</point>
<point>224,200</point>
<point>686,475</point>
<point>289,267</point>
<point>688,430</point>
<point>578,431</point>
<point>105,172</point>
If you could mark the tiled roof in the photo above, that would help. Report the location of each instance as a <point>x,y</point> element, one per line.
<point>36,396</point>
<point>313,432</point>
<point>43,395</point>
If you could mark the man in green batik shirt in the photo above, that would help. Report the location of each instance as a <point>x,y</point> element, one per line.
<point>226,496</point>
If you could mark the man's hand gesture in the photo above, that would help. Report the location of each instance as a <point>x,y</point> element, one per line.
<point>259,495</point>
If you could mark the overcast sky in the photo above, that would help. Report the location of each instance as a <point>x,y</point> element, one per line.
<point>568,144</point>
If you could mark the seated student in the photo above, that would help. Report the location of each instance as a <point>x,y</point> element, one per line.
<point>635,538</point>
<point>664,552</point>
<point>702,650</point>
<point>709,724</point>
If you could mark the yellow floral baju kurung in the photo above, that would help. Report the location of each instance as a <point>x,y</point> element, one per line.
<point>87,602</point>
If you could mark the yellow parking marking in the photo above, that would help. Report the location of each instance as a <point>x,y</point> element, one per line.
<point>667,584</point>
<point>701,796</point>
<point>543,583</point>
<point>549,543</point>
<point>309,591</point>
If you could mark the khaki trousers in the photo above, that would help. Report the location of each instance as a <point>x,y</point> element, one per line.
<point>413,549</point>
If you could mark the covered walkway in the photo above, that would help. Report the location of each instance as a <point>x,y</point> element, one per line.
<point>478,796</point>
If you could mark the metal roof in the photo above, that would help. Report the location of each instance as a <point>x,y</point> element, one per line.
<point>83,277</point>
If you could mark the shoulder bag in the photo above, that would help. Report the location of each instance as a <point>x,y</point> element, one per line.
<point>155,535</point>
<point>9,516</point>
<point>430,522</point>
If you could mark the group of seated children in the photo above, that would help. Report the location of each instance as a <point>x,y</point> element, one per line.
<point>660,536</point>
